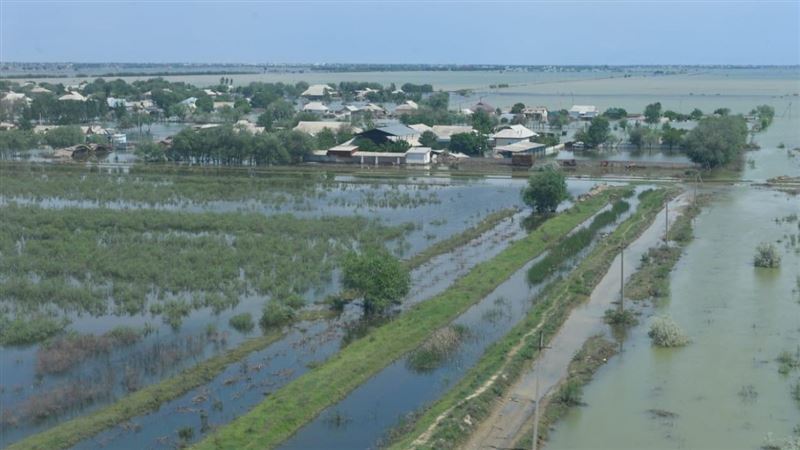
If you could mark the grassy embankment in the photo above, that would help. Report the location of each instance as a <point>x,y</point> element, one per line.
<point>443,425</point>
<point>289,408</point>
<point>650,281</point>
<point>152,397</point>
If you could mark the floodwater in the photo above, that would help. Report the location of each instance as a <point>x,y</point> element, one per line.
<point>724,388</point>
<point>365,415</point>
<point>436,220</point>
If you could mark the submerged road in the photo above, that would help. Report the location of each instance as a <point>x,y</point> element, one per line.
<point>516,409</point>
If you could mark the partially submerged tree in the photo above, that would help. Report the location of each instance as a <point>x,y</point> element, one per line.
<point>664,332</point>
<point>376,277</point>
<point>545,191</point>
<point>767,256</point>
<point>598,133</point>
<point>717,140</point>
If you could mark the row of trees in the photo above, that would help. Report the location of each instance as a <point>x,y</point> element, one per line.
<point>226,145</point>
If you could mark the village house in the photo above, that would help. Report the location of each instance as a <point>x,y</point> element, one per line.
<point>15,97</point>
<point>316,108</point>
<point>318,92</point>
<point>520,148</point>
<point>536,113</point>
<point>406,108</point>
<point>40,90</point>
<point>391,133</point>
<point>314,127</point>
<point>419,155</point>
<point>485,107</point>
<point>445,132</point>
<point>512,135</point>
<point>72,97</point>
<point>583,112</point>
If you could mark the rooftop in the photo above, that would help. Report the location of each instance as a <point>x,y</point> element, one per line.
<point>514,132</point>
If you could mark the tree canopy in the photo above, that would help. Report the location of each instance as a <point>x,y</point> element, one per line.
<point>377,277</point>
<point>597,134</point>
<point>468,143</point>
<point>546,190</point>
<point>716,140</point>
<point>652,112</point>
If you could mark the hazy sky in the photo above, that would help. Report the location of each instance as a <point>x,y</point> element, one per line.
<point>520,32</point>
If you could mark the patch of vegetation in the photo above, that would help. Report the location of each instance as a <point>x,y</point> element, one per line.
<point>149,398</point>
<point>574,243</point>
<point>287,409</point>
<point>615,317</point>
<point>767,256</point>
<point>437,348</point>
<point>29,329</point>
<point>664,332</point>
<point>788,361</point>
<point>61,354</point>
<point>100,261</point>
<point>242,323</point>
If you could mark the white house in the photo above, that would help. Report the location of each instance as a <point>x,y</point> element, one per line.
<point>40,90</point>
<point>13,97</point>
<point>313,128</point>
<point>445,132</point>
<point>537,113</point>
<point>418,155</point>
<point>72,97</point>
<point>512,135</point>
<point>520,148</point>
<point>315,107</point>
<point>317,91</point>
<point>406,108</point>
<point>586,112</point>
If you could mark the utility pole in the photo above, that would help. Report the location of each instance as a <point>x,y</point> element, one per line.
<point>666,223</point>
<point>536,397</point>
<point>621,277</point>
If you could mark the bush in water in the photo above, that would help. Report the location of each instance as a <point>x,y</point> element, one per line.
<point>767,256</point>
<point>666,333</point>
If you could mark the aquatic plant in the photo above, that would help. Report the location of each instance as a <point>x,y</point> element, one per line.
<point>788,361</point>
<point>767,256</point>
<point>242,323</point>
<point>61,354</point>
<point>664,332</point>
<point>439,346</point>
<point>624,318</point>
<point>571,245</point>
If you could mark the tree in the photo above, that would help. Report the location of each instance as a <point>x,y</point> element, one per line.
<point>377,277</point>
<point>483,122</point>
<point>716,140</point>
<point>722,111</point>
<point>326,139</point>
<point>428,139</point>
<point>204,104</point>
<point>150,152</point>
<point>558,119</point>
<point>652,112</point>
<point>545,191</point>
<point>672,137</point>
<point>517,108</point>
<point>468,143</point>
<point>598,133</point>
<point>615,113</point>
<point>64,136</point>
<point>696,114</point>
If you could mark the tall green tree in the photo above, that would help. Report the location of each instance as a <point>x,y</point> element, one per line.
<point>468,143</point>
<point>716,140</point>
<point>376,277</point>
<point>546,190</point>
<point>597,134</point>
<point>652,112</point>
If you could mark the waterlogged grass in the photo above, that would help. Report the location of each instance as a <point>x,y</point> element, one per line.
<point>147,399</point>
<point>447,245</point>
<point>289,408</point>
<point>181,185</point>
<point>100,261</point>
<point>443,425</point>
<point>574,243</point>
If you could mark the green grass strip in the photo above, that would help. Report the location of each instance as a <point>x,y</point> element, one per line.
<point>285,411</point>
<point>143,401</point>
<point>505,360</point>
